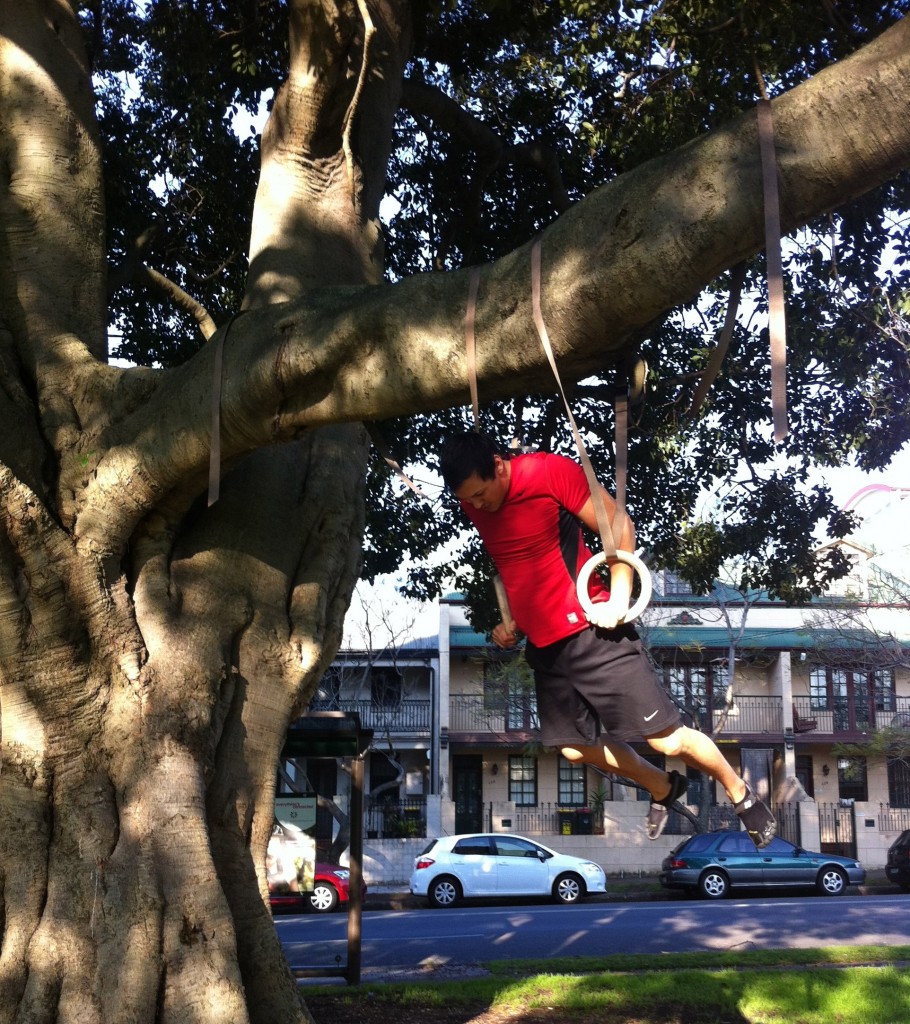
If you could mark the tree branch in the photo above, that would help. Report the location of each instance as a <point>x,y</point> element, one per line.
<point>421,99</point>
<point>627,253</point>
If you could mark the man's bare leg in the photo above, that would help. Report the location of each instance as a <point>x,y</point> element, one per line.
<point>620,759</point>
<point>700,751</point>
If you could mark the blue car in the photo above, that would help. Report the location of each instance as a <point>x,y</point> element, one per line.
<point>713,863</point>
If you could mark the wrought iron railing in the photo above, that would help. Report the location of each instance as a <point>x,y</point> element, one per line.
<point>405,716</point>
<point>477,713</point>
<point>746,715</point>
<point>893,819</point>
<point>395,819</point>
<point>849,714</point>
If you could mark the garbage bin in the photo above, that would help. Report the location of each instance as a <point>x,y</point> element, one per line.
<point>584,821</point>
<point>566,821</point>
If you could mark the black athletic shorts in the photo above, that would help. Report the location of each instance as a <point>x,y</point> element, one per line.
<point>598,685</point>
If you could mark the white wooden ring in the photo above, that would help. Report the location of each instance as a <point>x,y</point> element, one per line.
<point>630,558</point>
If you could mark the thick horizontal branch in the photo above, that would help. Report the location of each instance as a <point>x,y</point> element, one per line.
<point>615,262</point>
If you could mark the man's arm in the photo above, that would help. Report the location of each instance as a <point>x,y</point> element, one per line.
<point>621,574</point>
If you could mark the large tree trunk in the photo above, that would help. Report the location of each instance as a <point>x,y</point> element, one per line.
<point>150,663</point>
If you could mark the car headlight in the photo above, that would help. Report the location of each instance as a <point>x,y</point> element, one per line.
<point>342,873</point>
<point>590,868</point>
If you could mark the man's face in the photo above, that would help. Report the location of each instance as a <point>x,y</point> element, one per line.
<point>487,495</point>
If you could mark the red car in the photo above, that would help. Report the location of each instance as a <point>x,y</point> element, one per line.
<point>330,889</point>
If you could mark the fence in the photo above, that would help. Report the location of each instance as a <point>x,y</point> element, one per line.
<point>836,827</point>
<point>395,819</point>
<point>893,819</point>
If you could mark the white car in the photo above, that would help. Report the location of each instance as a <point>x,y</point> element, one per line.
<point>496,864</point>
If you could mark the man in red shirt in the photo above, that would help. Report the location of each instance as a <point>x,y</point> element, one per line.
<point>596,689</point>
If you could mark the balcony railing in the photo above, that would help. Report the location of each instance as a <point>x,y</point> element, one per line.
<point>753,715</point>
<point>476,713</point>
<point>406,716</point>
<point>849,715</point>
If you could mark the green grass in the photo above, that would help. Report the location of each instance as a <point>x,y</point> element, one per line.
<point>838,985</point>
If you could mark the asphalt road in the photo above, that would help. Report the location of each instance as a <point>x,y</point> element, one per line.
<point>480,932</point>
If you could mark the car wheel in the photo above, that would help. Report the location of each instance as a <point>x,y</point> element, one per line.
<point>324,899</point>
<point>713,884</point>
<point>831,882</point>
<point>444,892</point>
<point>568,889</point>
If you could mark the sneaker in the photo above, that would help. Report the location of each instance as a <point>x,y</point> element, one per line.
<point>659,811</point>
<point>756,817</point>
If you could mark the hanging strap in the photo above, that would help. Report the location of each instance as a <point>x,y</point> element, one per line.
<point>709,375</point>
<point>379,441</point>
<point>470,348</point>
<point>217,383</point>
<point>777,326</point>
<point>604,526</point>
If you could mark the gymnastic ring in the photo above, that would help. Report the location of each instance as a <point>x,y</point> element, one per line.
<point>630,558</point>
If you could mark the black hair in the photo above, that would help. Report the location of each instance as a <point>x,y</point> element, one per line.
<point>465,454</point>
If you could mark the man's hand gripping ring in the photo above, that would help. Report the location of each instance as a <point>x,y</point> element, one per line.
<point>595,609</point>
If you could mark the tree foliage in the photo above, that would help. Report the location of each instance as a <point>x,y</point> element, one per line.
<point>511,113</point>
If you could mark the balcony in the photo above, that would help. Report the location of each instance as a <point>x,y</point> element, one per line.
<point>476,714</point>
<point>473,714</point>
<point>847,716</point>
<point>407,716</point>
<point>749,716</point>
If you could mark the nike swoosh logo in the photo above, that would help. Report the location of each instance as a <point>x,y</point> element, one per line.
<point>649,717</point>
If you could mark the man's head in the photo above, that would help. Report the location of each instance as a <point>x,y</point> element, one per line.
<point>475,471</point>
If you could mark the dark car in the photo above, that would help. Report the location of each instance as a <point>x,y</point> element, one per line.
<point>330,889</point>
<point>897,867</point>
<point>713,863</point>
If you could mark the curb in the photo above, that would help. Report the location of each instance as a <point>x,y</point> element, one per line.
<point>403,900</point>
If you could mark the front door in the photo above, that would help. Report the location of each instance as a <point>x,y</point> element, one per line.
<point>467,790</point>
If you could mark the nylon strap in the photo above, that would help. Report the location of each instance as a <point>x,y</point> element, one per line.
<point>604,526</point>
<point>777,326</point>
<point>217,384</point>
<point>379,441</point>
<point>709,375</point>
<point>470,348</point>
<point>215,447</point>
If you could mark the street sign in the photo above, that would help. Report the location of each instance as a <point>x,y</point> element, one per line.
<point>296,811</point>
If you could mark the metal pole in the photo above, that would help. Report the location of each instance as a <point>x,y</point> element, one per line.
<point>355,881</point>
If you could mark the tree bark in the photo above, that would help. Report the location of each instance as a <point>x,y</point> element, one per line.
<point>147,681</point>
<point>153,649</point>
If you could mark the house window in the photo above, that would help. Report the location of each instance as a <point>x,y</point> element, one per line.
<point>674,584</point>
<point>511,693</point>
<point>572,788</point>
<point>804,773</point>
<point>385,686</point>
<point>696,779</point>
<point>899,783</point>
<point>691,689</point>
<point>522,705</point>
<point>659,761</point>
<point>883,689</point>
<point>523,780</point>
<point>851,778</point>
<point>854,696</point>
<point>328,693</point>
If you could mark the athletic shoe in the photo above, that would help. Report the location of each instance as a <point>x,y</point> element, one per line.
<point>659,811</point>
<point>759,821</point>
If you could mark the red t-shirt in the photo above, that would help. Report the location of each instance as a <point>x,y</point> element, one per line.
<point>536,541</point>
